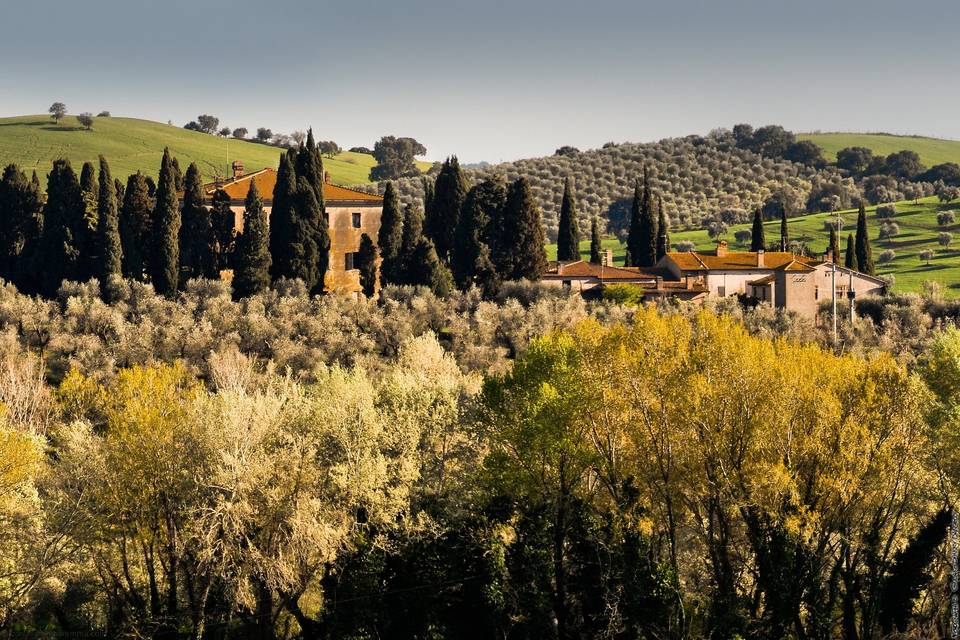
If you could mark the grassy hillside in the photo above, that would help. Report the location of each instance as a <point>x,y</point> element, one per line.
<point>918,231</point>
<point>931,150</point>
<point>129,144</point>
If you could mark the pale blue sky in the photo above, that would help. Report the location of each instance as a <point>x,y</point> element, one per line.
<point>492,79</point>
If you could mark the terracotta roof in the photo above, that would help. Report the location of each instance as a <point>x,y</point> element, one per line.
<point>739,260</point>
<point>764,280</point>
<point>266,180</point>
<point>583,269</point>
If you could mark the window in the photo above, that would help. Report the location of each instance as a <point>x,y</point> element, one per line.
<point>356,220</point>
<point>721,291</point>
<point>348,261</point>
<point>816,292</point>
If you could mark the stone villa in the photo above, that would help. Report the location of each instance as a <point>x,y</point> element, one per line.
<point>351,213</point>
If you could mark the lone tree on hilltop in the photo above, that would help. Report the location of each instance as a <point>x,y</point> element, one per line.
<point>57,110</point>
<point>208,123</point>
<point>264,135</point>
<point>240,133</point>
<point>568,238</point>
<point>86,119</point>
<point>396,158</point>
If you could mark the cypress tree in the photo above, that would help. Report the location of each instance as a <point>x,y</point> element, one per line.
<point>412,233</point>
<point>449,193</point>
<point>282,218</point>
<point>425,268</point>
<point>20,203</point>
<point>427,197</point>
<point>58,255</point>
<point>663,228</point>
<point>310,247</point>
<point>223,222</point>
<point>647,256</point>
<point>309,165</point>
<point>367,265</point>
<point>834,246</point>
<point>118,190</point>
<point>758,239</point>
<point>88,180</point>
<point>135,225</point>
<point>784,231</point>
<point>177,174</point>
<point>634,244</point>
<point>851,258</point>
<point>862,240</point>
<point>252,272</point>
<point>390,235</point>
<point>470,261</point>
<point>522,253</point>
<point>88,238</point>
<point>197,248</point>
<point>596,247</point>
<point>568,237</point>
<point>109,249</point>
<point>165,250</point>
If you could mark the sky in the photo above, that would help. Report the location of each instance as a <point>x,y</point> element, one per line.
<point>492,80</point>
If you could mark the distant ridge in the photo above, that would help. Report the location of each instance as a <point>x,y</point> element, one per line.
<point>931,150</point>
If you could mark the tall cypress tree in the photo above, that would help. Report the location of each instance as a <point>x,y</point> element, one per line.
<point>784,230</point>
<point>428,187</point>
<point>425,269</point>
<point>177,175</point>
<point>523,253</point>
<point>251,274</point>
<point>663,230</point>
<point>309,165</point>
<point>412,233</point>
<point>758,239</point>
<point>834,246</point>
<point>223,222</point>
<point>87,236</point>
<point>197,260</point>
<point>58,255</point>
<point>850,262</point>
<point>310,247</point>
<point>470,261</point>
<point>165,254</point>
<point>568,237</point>
<point>367,265</point>
<point>390,235</point>
<point>135,225</point>
<point>634,233</point>
<point>647,256</point>
<point>20,223</point>
<point>864,251</point>
<point>449,193</point>
<point>283,218</point>
<point>109,249</point>
<point>596,245</point>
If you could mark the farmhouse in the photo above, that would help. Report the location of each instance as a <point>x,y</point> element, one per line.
<point>589,278</point>
<point>350,213</point>
<point>780,278</point>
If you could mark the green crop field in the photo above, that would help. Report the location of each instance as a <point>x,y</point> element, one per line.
<point>931,150</point>
<point>33,142</point>
<point>918,231</point>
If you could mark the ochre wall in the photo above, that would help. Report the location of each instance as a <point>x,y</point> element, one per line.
<point>344,238</point>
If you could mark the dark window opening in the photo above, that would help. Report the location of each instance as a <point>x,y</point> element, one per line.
<point>356,220</point>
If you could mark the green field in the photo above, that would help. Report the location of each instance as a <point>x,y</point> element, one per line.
<point>918,231</point>
<point>33,142</point>
<point>931,150</point>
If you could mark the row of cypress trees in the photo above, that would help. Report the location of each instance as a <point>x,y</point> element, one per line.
<point>468,235</point>
<point>648,237</point>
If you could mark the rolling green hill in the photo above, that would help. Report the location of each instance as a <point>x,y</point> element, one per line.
<point>931,150</point>
<point>918,231</point>
<point>130,144</point>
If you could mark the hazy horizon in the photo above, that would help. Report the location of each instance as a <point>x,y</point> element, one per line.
<point>496,80</point>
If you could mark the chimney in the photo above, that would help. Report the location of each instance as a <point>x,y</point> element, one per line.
<point>828,256</point>
<point>760,258</point>
<point>722,249</point>
<point>606,258</point>
<point>326,177</point>
<point>237,168</point>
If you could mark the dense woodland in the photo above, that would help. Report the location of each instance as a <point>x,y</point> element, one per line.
<point>466,454</point>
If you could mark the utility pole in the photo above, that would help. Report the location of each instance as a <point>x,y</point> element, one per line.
<point>954,604</point>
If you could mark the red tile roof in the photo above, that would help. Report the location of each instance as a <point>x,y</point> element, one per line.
<point>583,269</point>
<point>740,260</point>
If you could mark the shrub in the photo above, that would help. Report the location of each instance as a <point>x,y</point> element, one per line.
<point>944,238</point>
<point>946,217</point>
<point>743,236</point>
<point>886,210</point>
<point>685,245</point>
<point>887,256</point>
<point>926,255</point>
<point>889,230</point>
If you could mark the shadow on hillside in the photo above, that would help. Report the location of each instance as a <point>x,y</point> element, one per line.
<point>34,123</point>
<point>54,127</point>
<point>927,267</point>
